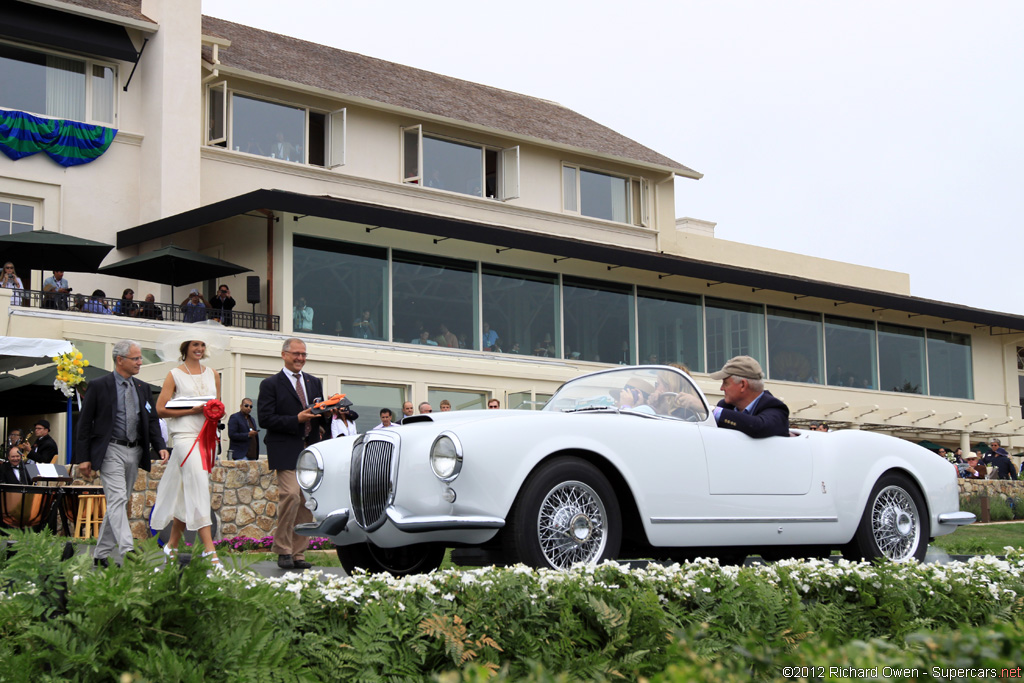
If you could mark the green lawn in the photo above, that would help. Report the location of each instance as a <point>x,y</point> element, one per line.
<point>985,539</point>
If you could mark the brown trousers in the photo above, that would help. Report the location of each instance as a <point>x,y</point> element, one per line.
<point>291,510</point>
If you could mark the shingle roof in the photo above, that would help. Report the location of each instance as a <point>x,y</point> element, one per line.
<point>350,74</point>
<point>122,8</point>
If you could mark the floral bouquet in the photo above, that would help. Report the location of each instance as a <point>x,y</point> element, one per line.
<point>70,371</point>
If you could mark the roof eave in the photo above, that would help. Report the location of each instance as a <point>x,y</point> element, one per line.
<point>110,18</point>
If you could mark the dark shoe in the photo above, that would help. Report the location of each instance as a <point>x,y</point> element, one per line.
<point>100,562</point>
<point>301,564</point>
<point>285,562</point>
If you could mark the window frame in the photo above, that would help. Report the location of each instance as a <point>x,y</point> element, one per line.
<point>507,167</point>
<point>335,144</point>
<point>637,195</point>
<point>88,94</point>
<point>35,204</point>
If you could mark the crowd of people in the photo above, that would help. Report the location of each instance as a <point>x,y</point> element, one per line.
<point>58,294</point>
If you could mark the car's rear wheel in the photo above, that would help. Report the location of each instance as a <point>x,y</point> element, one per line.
<point>566,513</point>
<point>894,524</point>
<point>410,559</point>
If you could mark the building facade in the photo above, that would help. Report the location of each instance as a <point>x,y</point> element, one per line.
<point>436,239</point>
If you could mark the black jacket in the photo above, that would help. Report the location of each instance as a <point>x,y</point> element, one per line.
<point>278,408</point>
<point>769,418</point>
<point>45,449</point>
<point>96,422</point>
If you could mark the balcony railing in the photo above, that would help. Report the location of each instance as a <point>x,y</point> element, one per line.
<point>143,310</point>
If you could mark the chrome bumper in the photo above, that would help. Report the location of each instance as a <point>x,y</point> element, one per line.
<point>408,523</point>
<point>331,525</point>
<point>957,518</point>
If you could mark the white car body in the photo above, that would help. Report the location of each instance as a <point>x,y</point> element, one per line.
<point>681,486</point>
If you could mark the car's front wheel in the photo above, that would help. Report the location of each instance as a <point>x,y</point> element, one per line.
<point>894,524</point>
<point>411,559</point>
<point>566,513</point>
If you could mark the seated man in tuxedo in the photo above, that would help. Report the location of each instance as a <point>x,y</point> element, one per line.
<point>13,471</point>
<point>747,407</point>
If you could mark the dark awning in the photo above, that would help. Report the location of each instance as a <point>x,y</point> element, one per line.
<point>501,236</point>
<point>72,32</point>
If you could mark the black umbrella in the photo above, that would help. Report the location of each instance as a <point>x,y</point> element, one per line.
<point>174,266</point>
<point>34,393</point>
<point>48,250</point>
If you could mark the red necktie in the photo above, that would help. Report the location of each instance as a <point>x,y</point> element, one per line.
<point>302,399</point>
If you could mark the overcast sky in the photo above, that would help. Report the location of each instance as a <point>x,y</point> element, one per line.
<point>887,134</point>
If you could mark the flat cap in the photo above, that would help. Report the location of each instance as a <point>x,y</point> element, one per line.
<point>740,366</point>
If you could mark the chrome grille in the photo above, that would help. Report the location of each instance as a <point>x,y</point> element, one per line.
<point>370,482</point>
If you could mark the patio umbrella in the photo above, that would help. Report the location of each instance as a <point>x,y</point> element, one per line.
<point>22,352</point>
<point>33,393</point>
<point>174,266</point>
<point>48,250</point>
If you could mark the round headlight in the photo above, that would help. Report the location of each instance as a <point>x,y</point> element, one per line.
<point>309,470</point>
<point>446,457</point>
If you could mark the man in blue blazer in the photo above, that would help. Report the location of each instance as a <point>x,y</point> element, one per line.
<point>283,410</point>
<point>242,433</point>
<point>747,407</point>
<point>117,428</point>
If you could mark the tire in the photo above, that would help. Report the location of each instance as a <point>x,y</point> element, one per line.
<point>894,524</point>
<point>566,513</point>
<point>411,559</point>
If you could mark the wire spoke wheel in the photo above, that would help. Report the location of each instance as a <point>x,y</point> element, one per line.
<point>571,525</point>
<point>895,523</point>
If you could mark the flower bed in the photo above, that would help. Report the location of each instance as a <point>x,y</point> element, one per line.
<point>241,544</point>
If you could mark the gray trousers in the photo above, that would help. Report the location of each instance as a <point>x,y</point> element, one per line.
<point>119,471</point>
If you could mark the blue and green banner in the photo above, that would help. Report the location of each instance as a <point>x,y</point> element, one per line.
<point>69,143</point>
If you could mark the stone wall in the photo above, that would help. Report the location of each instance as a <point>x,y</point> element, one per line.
<point>243,496</point>
<point>994,487</point>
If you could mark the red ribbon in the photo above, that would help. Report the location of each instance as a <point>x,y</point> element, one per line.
<point>208,437</point>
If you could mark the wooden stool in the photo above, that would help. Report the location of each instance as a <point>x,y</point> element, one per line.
<point>92,508</point>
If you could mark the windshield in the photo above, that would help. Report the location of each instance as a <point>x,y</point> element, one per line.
<point>650,389</point>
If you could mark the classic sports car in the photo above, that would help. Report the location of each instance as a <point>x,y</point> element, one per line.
<point>622,463</point>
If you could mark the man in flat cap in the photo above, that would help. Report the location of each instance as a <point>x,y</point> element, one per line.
<point>747,407</point>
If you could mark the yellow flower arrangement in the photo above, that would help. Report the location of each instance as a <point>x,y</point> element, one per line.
<point>70,371</point>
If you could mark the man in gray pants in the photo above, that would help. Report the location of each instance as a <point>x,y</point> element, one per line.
<point>116,430</point>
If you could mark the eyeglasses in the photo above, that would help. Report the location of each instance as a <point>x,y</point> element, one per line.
<point>135,359</point>
<point>298,354</point>
<point>247,405</point>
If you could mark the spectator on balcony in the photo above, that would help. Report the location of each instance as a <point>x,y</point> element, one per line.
<point>363,327</point>
<point>150,310</point>
<point>302,316</point>
<point>194,307</point>
<point>424,339</point>
<point>490,339</point>
<point>9,280</point>
<point>56,290</point>
<point>127,306</point>
<point>223,304</point>
<point>94,304</point>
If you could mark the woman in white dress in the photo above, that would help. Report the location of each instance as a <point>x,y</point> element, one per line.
<point>183,496</point>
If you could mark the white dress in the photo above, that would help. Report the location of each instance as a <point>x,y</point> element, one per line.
<point>184,490</point>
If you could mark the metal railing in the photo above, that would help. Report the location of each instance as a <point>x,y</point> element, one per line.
<point>73,302</point>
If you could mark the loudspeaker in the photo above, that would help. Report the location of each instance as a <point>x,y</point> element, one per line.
<point>252,292</point>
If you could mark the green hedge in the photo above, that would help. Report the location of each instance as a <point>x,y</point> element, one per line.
<point>594,623</point>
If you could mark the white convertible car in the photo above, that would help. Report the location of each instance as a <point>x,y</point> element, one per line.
<point>622,463</point>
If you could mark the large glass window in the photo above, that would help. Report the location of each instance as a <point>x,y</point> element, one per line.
<point>434,301</point>
<point>949,365</point>
<point>56,86</point>
<point>527,400</point>
<point>670,328</point>
<point>344,285</point>
<point>252,391</point>
<point>461,399</point>
<point>733,329</point>
<point>15,217</point>
<point>901,359</point>
<point>521,307</point>
<point>794,345</point>
<point>598,321</point>
<point>602,195</point>
<point>850,353</point>
<point>368,399</point>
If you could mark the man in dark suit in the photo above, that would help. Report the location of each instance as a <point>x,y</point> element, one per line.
<point>116,430</point>
<point>45,449</point>
<point>243,434</point>
<point>13,471</point>
<point>747,407</point>
<point>283,410</point>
